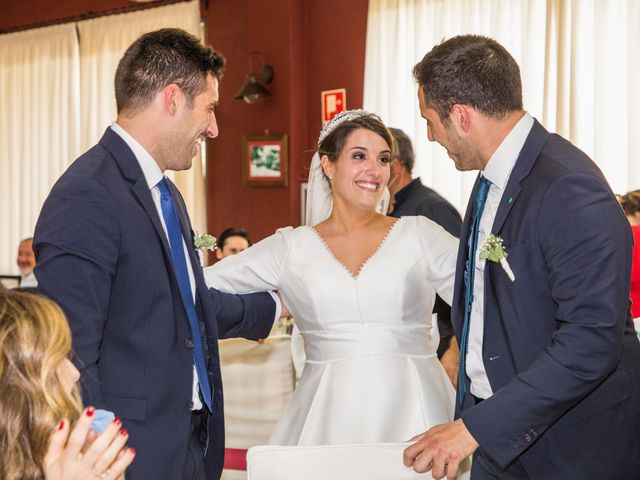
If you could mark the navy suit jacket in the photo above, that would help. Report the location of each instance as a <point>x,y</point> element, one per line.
<point>559,347</point>
<point>104,257</point>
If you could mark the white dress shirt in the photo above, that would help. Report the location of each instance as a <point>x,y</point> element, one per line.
<point>498,171</point>
<point>28,281</point>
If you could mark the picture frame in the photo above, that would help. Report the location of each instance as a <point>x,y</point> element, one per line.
<point>265,161</point>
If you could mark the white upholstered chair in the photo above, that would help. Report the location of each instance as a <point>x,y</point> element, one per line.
<point>381,461</point>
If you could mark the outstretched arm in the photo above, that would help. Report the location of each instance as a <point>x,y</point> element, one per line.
<point>256,269</point>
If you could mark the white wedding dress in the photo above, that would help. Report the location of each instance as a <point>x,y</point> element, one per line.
<point>371,373</point>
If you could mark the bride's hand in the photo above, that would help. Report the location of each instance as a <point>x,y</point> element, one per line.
<point>70,457</point>
<point>451,361</point>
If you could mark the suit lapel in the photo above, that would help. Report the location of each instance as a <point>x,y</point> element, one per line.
<point>530,150</point>
<point>130,168</point>
<point>131,171</point>
<point>527,158</point>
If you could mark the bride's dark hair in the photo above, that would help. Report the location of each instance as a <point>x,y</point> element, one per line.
<point>333,144</point>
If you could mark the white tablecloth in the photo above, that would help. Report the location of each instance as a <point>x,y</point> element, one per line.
<point>258,381</point>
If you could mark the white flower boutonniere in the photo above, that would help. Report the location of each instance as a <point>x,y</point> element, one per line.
<point>493,250</point>
<point>205,242</point>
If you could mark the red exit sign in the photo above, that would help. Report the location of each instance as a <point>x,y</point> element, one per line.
<point>333,102</point>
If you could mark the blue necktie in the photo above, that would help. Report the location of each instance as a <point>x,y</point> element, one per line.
<point>182,274</point>
<point>469,273</point>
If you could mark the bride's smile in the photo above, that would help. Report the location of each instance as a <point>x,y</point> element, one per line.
<point>361,172</point>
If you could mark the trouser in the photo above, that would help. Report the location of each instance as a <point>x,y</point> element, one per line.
<point>484,468</point>
<point>194,461</point>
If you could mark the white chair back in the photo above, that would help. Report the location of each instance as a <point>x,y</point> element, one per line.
<point>381,461</point>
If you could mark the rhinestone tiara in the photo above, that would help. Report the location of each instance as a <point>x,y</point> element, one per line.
<point>342,117</point>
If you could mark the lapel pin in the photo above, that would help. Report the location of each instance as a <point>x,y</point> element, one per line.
<point>510,199</point>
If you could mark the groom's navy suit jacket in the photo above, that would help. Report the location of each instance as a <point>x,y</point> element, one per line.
<point>104,257</point>
<point>559,347</point>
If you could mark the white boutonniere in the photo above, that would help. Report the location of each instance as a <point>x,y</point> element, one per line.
<point>204,242</point>
<point>493,250</point>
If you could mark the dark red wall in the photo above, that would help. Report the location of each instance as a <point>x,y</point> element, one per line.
<point>17,13</point>
<point>313,45</point>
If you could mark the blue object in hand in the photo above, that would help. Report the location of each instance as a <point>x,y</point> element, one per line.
<point>101,419</point>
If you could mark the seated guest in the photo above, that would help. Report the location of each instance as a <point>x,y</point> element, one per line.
<point>26,263</point>
<point>630,203</point>
<point>232,241</point>
<point>39,401</point>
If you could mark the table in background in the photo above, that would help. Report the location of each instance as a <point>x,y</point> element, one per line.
<point>258,382</point>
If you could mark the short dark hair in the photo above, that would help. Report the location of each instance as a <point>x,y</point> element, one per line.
<point>160,58</point>
<point>233,232</point>
<point>403,149</point>
<point>333,144</point>
<point>470,70</point>
<point>630,202</point>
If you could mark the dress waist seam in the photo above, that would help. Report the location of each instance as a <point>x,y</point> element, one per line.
<point>360,355</point>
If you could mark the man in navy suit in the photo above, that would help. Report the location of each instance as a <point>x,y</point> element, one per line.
<point>105,246</point>
<point>550,387</point>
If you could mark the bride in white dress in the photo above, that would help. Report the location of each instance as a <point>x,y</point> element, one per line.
<point>361,288</point>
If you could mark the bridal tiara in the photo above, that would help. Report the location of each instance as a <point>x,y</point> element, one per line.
<point>342,117</point>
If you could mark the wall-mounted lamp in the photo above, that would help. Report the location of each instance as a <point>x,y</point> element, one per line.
<point>254,88</point>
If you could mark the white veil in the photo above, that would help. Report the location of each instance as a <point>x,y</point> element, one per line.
<point>319,204</point>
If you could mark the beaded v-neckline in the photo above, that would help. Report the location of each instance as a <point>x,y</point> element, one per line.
<point>366,261</point>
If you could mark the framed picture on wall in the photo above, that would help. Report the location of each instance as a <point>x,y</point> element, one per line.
<point>265,160</point>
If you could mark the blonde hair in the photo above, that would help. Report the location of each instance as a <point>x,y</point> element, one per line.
<point>34,341</point>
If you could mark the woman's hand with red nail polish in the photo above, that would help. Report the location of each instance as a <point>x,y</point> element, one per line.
<point>72,455</point>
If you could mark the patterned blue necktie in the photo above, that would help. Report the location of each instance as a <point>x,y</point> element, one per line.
<point>469,273</point>
<point>182,275</point>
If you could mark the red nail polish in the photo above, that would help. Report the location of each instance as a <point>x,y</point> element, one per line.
<point>132,451</point>
<point>124,432</point>
<point>117,421</point>
<point>90,411</point>
<point>61,425</point>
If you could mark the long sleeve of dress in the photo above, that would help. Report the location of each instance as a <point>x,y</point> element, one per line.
<point>256,269</point>
<point>440,251</point>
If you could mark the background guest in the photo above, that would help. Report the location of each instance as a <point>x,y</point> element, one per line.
<point>410,197</point>
<point>26,263</point>
<point>39,400</point>
<point>630,203</point>
<point>232,241</point>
